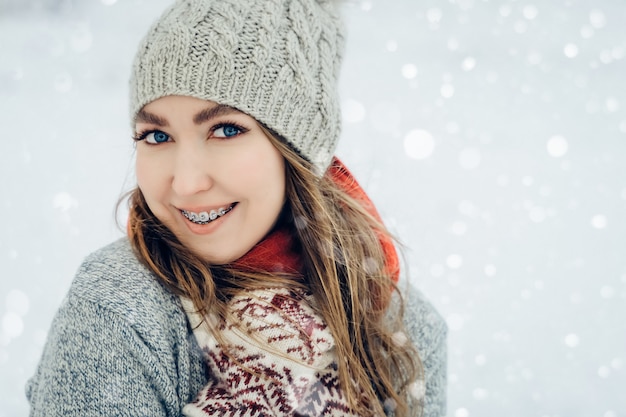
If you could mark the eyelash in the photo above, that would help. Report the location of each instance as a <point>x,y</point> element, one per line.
<point>220,125</point>
<point>139,136</point>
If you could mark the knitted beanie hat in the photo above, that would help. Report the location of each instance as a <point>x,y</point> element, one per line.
<point>275,60</point>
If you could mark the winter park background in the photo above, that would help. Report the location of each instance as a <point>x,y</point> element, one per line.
<point>491,135</point>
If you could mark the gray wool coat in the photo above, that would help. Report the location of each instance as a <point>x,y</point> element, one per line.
<point>120,345</point>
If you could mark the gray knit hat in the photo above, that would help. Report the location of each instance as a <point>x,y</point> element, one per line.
<point>276,60</point>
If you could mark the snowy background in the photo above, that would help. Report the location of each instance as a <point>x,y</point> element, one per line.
<point>491,134</point>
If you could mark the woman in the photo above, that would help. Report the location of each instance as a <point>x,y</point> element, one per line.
<point>257,278</point>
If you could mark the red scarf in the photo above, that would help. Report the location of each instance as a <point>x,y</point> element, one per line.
<point>276,252</point>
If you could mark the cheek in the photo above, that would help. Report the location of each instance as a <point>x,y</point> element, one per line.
<point>150,179</point>
<point>142,172</point>
<point>267,173</point>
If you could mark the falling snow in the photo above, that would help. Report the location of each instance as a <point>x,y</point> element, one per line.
<point>353,111</point>
<point>571,340</point>
<point>399,338</point>
<point>570,50</point>
<point>419,144</point>
<point>557,146</point>
<point>409,71</point>
<point>599,221</point>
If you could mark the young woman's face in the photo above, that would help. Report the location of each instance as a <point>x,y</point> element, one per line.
<point>210,174</point>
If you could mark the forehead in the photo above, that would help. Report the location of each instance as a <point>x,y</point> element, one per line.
<point>159,111</point>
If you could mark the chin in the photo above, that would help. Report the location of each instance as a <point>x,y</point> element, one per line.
<point>220,258</point>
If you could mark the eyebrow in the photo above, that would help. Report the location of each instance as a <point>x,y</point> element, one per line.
<point>212,112</point>
<point>147,117</point>
<point>199,118</point>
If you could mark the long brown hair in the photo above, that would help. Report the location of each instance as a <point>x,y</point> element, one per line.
<point>343,267</point>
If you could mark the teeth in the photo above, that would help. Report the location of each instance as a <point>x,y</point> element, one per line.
<point>203,217</point>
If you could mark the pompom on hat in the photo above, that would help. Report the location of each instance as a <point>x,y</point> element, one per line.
<point>275,60</point>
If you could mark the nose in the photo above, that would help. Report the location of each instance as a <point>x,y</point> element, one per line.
<point>191,171</point>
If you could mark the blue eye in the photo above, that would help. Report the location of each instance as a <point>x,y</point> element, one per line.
<point>227,131</point>
<point>156,137</point>
<point>152,137</point>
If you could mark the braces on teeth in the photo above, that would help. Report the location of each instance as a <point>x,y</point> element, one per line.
<point>203,217</point>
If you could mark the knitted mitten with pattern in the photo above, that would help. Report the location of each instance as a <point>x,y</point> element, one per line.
<point>279,360</point>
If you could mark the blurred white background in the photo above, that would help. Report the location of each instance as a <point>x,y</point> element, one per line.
<point>491,134</point>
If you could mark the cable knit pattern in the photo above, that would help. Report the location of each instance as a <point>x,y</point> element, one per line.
<point>283,360</point>
<point>121,346</point>
<point>276,60</point>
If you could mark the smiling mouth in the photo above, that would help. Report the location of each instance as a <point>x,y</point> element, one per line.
<point>205,217</point>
